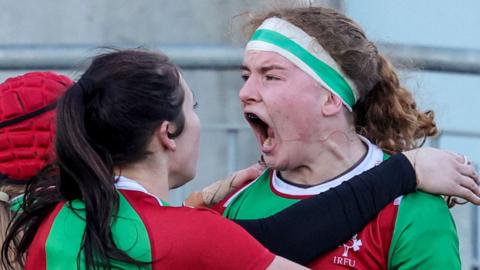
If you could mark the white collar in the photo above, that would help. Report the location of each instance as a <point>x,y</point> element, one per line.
<point>373,157</point>
<point>125,183</point>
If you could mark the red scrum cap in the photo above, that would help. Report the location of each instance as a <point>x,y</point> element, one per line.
<point>27,122</point>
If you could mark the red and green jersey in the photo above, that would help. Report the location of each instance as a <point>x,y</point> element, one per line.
<point>170,237</point>
<point>416,231</point>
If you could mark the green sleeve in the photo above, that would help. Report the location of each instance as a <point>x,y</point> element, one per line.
<point>425,236</point>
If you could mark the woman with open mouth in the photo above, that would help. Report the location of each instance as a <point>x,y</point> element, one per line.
<point>325,105</point>
<point>127,133</point>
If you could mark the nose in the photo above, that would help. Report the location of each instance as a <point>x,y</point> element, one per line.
<point>249,92</point>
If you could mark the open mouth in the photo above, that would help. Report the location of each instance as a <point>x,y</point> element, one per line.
<point>263,131</point>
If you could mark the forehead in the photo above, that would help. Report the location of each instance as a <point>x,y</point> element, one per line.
<point>254,59</point>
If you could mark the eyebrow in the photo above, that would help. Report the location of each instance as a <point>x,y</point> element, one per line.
<point>265,68</point>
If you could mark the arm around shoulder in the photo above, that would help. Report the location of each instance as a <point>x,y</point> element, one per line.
<point>222,244</point>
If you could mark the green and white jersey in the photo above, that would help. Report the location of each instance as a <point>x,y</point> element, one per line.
<point>414,232</point>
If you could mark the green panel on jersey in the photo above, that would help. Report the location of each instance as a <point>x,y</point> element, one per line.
<point>257,201</point>
<point>165,203</point>
<point>65,237</point>
<point>425,236</point>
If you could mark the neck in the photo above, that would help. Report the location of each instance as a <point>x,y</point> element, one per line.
<point>150,174</point>
<point>334,157</point>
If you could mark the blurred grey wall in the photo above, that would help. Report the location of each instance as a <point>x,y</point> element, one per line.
<point>147,23</point>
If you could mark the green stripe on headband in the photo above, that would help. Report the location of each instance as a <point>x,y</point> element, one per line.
<point>330,76</point>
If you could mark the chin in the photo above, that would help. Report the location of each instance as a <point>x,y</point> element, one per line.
<point>181,180</point>
<point>275,164</point>
<point>172,187</point>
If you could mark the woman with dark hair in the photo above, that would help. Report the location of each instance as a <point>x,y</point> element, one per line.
<point>126,134</point>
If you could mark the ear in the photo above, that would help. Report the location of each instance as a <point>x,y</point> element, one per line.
<point>163,135</point>
<point>332,104</point>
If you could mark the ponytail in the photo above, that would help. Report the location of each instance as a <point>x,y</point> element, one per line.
<point>388,114</point>
<point>86,173</point>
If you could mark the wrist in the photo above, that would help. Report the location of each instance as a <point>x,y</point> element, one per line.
<point>411,155</point>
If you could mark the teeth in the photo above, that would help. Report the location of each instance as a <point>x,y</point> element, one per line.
<point>267,142</point>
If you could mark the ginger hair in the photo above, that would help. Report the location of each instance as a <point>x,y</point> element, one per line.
<point>386,112</point>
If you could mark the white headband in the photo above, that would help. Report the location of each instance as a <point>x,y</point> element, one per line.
<point>280,36</point>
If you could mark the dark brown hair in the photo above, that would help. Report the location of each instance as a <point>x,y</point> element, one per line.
<point>104,120</point>
<point>386,112</point>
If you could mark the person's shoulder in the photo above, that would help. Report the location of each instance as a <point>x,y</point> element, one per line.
<point>191,212</point>
<point>421,201</point>
<point>194,219</point>
<point>421,212</point>
<point>420,195</point>
<point>424,210</point>
<point>202,224</point>
<point>205,238</point>
<point>425,235</point>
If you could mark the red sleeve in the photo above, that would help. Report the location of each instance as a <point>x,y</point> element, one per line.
<point>224,244</point>
<point>196,238</point>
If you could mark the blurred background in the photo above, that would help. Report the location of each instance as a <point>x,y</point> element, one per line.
<point>435,43</point>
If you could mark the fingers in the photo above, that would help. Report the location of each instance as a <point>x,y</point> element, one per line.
<point>467,189</point>
<point>462,159</point>
<point>218,190</point>
<point>195,199</point>
<point>454,155</point>
<point>257,168</point>
<point>246,175</point>
<point>472,180</point>
<point>469,180</point>
<point>467,194</point>
<point>470,184</point>
<point>469,171</point>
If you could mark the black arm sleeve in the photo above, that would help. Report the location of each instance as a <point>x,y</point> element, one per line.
<point>313,226</point>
